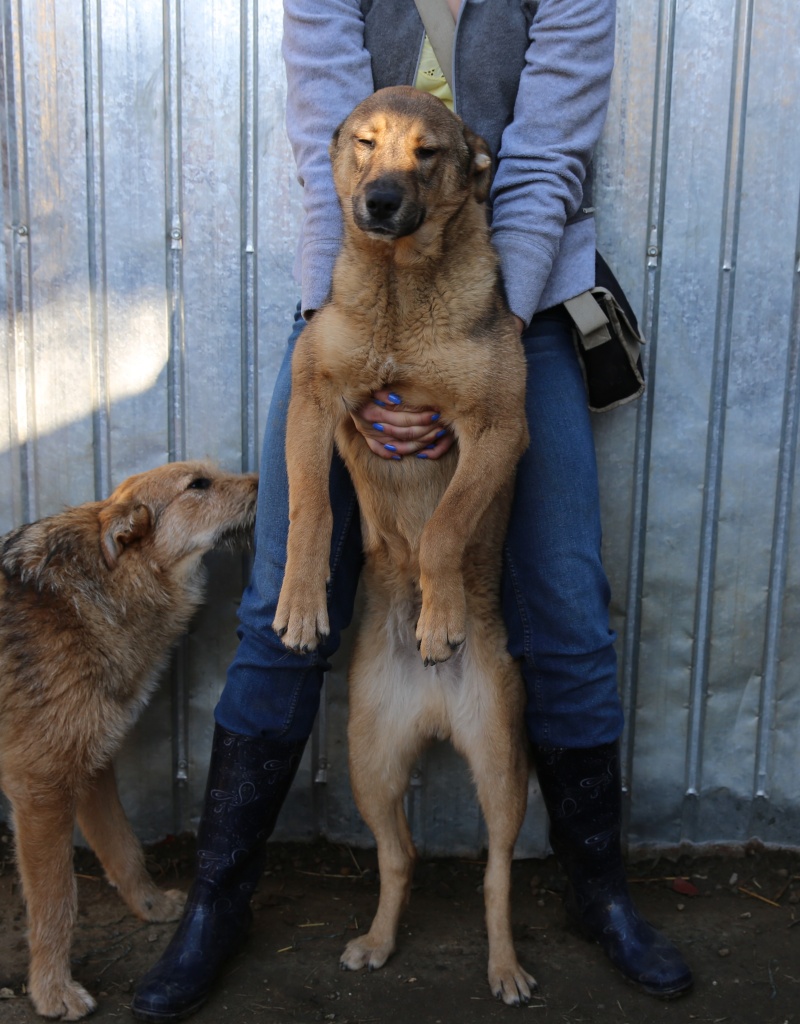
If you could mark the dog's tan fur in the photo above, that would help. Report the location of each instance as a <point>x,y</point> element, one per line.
<point>91,600</point>
<point>416,305</point>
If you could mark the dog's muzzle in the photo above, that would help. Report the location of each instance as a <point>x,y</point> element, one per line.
<point>385,209</point>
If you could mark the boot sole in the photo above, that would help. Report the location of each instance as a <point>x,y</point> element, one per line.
<point>658,993</point>
<point>161,1018</point>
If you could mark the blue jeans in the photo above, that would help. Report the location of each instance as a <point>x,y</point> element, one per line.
<point>555,592</point>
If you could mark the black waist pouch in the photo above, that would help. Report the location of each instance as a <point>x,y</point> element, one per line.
<point>608,341</point>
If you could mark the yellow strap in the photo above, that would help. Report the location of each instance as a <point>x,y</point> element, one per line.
<point>440,26</point>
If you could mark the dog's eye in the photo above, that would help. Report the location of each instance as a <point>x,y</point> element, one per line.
<point>200,483</point>
<point>426,153</point>
<point>366,143</point>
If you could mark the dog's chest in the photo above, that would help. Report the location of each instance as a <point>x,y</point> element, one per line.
<point>363,353</point>
<point>412,370</point>
<point>384,366</point>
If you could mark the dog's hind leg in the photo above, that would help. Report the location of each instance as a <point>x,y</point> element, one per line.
<point>500,769</point>
<point>43,823</point>
<point>383,749</point>
<point>108,831</point>
<point>396,856</point>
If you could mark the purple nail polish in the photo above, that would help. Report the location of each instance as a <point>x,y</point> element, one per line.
<point>395,399</point>
<point>378,426</point>
<point>377,401</point>
<point>441,433</point>
<point>390,448</point>
<point>421,455</point>
<point>435,417</point>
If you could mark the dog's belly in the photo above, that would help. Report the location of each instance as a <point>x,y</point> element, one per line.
<point>438,701</point>
<point>387,675</point>
<point>396,499</point>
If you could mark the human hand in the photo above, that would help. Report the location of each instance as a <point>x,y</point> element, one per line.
<point>393,430</point>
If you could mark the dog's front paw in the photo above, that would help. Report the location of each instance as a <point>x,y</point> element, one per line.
<point>365,952</point>
<point>512,984</point>
<point>301,619</point>
<point>441,627</point>
<point>65,1001</point>
<point>160,906</point>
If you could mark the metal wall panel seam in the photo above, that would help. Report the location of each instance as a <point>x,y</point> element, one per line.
<point>249,227</point>
<point>96,248</point>
<point>665,45</point>
<point>779,562</point>
<point>18,269</point>
<point>174,179</point>
<point>176,374</point>
<point>743,27</point>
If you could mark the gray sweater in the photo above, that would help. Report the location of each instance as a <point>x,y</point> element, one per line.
<point>531,77</point>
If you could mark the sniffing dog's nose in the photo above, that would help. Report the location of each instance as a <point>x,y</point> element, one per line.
<point>382,203</point>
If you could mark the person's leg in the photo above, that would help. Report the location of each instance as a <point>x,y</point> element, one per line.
<point>555,591</point>
<point>555,601</point>
<point>270,690</point>
<point>263,720</point>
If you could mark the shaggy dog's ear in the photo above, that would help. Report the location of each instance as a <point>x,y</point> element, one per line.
<point>120,525</point>
<point>25,551</point>
<point>480,165</point>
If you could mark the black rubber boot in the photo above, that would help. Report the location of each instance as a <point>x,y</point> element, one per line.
<point>582,792</point>
<point>248,780</point>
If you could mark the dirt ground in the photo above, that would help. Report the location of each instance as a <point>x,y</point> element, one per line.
<point>737,919</point>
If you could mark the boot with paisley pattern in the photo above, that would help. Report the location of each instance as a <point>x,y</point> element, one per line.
<point>248,780</point>
<point>582,792</point>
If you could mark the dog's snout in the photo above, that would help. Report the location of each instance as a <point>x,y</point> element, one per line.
<point>382,203</point>
<point>388,207</point>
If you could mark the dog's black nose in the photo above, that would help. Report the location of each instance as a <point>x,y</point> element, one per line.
<point>383,203</point>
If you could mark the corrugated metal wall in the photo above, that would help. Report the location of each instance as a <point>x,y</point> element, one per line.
<point>149,212</point>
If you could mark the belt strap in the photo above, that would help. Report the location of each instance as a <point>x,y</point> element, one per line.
<point>589,319</point>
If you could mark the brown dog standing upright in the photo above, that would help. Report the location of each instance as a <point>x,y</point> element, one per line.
<point>416,305</point>
<point>91,600</point>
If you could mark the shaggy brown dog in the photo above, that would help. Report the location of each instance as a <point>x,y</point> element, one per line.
<point>416,306</point>
<point>90,602</point>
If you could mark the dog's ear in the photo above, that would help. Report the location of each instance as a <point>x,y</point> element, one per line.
<point>333,147</point>
<point>480,169</point>
<point>120,525</point>
<point>24,551</point>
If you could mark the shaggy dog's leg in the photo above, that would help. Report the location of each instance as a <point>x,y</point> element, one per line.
<point>108,831</point>
<point>43,822</point>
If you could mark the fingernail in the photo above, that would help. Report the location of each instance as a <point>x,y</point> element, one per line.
<point>395,399</point>
<point>441,433</point>
<point>431,445</point>
<point>397,457</point>
<point>377,401</point>
<point>435,417</point>
<point>378,426</point>
<point>390,448</point>
<point>422,455</point>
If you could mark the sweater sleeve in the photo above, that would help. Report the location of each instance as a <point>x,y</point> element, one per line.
<point>545,149</point>
<point>328,73</point>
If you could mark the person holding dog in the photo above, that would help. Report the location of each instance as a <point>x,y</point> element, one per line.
<point>533,81</point>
